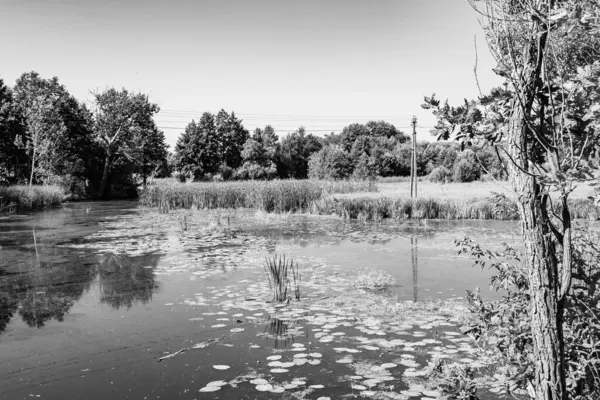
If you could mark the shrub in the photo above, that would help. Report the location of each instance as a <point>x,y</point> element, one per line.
<point>503,327</point>
<point>440,174</point>
<point>464,171</point>
<point>365,169</point>
<point>252,170</point>
<point>331,162</point>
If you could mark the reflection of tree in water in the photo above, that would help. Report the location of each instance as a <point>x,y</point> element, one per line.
<point>8,307</point>
<point>124,280</point>
<point>44,290</point>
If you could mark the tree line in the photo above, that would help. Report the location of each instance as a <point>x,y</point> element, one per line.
<point>113,145</point>
<point>218,147</point>
<point>47,136</point>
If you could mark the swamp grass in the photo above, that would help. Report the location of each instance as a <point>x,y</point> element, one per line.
<point>278,196</point>
<point>495,207</point>
<point>345,199</point>
<point>278,270</point>
<point>25,198</point>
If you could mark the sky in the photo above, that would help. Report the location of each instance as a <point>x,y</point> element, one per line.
<point>319,64</point>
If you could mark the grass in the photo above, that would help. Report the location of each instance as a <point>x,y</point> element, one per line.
<point>496,206</point>
<point>389,187</point>
<point>278,269</point>
<point>378,208</point>
<point>351,199</point>
<point>270,196</point>
<point>373,280</point>
<point>24,198</point>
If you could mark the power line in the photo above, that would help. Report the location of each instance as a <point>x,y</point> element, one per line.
<point>281,115</point>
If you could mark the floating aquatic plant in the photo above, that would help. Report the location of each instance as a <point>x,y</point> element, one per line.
<point>374,280</point>
<point>278,270</point>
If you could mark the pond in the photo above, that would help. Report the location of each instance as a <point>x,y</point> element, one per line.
<point>111,299</point>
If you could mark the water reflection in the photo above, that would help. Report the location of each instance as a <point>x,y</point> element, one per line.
<point>282,332</point>
<point>414,251</point>
<point>125,281</point>
<point>47,281</point>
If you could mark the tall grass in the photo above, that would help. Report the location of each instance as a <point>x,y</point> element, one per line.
<point>319,198</point>
<point>497,207</point>
<point>270,196</point>
<point>23,198</point>
<point>277,269</point>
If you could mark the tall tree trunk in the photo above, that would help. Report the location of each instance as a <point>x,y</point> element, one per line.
<point>32,168</point>
<point>105,173</point>
<point>546,309</point>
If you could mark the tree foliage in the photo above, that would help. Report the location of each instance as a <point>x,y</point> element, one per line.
<point>121,121</point>
<point>545,121</point>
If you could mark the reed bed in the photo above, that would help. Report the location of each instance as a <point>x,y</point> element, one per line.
<point>278,270</point>
<point>321,198</point>
<point>24,198</point>
<point>496,207</point>
<point>279,196</point>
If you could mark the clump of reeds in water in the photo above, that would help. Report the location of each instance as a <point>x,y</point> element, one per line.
<point>279,270</point>
<point>373,280</point>
<point>37,197</point>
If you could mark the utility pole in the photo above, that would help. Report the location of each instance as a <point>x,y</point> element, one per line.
<point>413,161</point>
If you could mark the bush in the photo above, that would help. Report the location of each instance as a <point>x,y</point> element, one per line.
<point>364,170</point>
<point>464,171</point>
<point>331,162</point>
<point>440,174</point>
<point>503,327</point>
<point>251,170</point>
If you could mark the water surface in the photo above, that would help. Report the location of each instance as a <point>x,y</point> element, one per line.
<point>94,294</point>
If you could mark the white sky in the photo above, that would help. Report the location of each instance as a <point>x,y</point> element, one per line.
<point>321,64</point>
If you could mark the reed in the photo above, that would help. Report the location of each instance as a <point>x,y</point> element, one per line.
<point>495,207</point>
<point>24,198</point>
<point>278,270</point>
<point>320,198</point>
<point>279,196</point>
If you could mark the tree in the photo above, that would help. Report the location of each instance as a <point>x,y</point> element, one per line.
<point>151,153</point>
<point>38,102</point>
<point>196,151</point>
<point>352,132</point>
<point>547,113</point>
<point>331,162</point>
<point>12,156</point>
<point>258,162</point>
<point>296,148</point>
<point>118,117</point>
<point>382,129</point>
<point>231,136</point>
